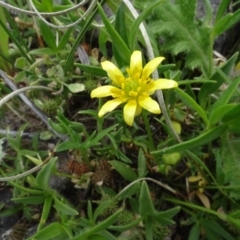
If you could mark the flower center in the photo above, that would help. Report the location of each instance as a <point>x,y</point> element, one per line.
<point>134,86</point>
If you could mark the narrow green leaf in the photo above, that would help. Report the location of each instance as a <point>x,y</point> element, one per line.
<point>27,190</point>
<point>64,208</point>
<point>98,71</point>
<point>16,36</point>
<point>222,8</point>
<point>29,200</point>
<point>60,128</point>
<point>4,65</point>
<point>99,227</point>
<point>208,13</point>
<point>77,126</point>
<point>126,227</point>
<point>190,102</point>
<point>120,23</point>
<point>69,60</point>
<point>48,4</point>
<point>216,228</point>
<point>138,21</point>
<point>226,94</point>
<point>129,191</point>
<point>51,231</point>
<point>43,176</point>
<point>117,41</point>
<point>45,211</point>
<point>97,138</point>
<point>4,35</point>
<point>209,88</point>
<point>48,35</point>
<point>67,145</point>
<point>232,114</point>
<point>146,207</point>
<point>125,170</point>
<point>89,211</point>
<point>92,113</point>
<point>98,237</point>
<point>195,232</point>
<point>165,217</point>
<point>226,22</point>
<point>40,7</point>
<point>43,51</point>
<point>113,141</point>
<point>57,8</point>
<point>64,39</point>
<point>234,221</point>
<point>235,214</point>
<point>102,40</point>
<point>120,27</point>
<point>204,138</point>
<point>103,205</point>
<point>165,67</point>
<point>217,114</point>
<point>121,156</point>
<point>234,126</point>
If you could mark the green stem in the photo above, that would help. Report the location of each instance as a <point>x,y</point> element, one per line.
<point>149,132</point>
<point>99,120</point>
<point>194,206</point>
<point>210,56</point>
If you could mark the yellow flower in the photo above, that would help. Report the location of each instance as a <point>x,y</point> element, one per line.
<point>134,89</point>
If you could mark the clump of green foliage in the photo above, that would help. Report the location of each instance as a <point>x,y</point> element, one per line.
<point>104,179</point>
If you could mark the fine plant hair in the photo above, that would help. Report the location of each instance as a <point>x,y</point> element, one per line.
<point>230,155</point>
<point>180,32</point>
<point>52,14</point>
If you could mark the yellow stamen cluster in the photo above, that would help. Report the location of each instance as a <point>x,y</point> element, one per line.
<point>134,90</point>
<point>134,86</point>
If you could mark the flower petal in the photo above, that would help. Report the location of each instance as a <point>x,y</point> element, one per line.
<point>149,104</point>
<point>163,84</point>
<point>136,63</point>
<point>138,110</point>
<point>105,91</point>
<point>129,112</point>
<point>109,106</point>
<point>151,66</point>
<point>113,72</point>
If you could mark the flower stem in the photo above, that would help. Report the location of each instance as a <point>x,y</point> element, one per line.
<point>149,132</point>
<point>99,120</point>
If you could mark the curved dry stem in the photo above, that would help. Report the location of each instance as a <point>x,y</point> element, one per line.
<point>21,175</point>
<point>46,14</point>
<point>51,14</point>
<point>88,11</point>
<point>16,92</point>
<point>159,93</point>
<point>29,103</point>
<point>149,179</point>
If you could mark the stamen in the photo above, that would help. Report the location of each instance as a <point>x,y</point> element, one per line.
<point>136,76</point>
<point>128,71</point>
<point>132,94</point>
